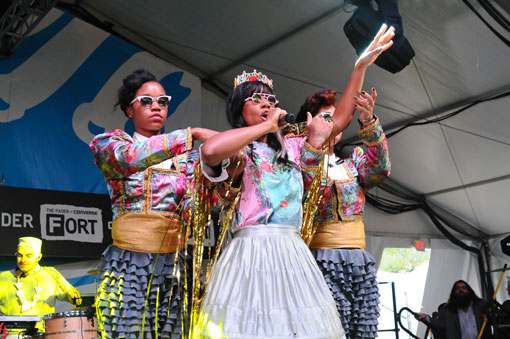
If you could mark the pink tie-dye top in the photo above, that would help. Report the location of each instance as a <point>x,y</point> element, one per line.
<point>271,192</point>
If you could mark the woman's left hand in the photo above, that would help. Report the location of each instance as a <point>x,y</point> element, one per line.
<point>319,129</point>
<point>381,42</point>
<point>365,104</point>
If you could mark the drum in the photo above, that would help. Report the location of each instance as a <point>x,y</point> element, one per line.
<point>70,325</point>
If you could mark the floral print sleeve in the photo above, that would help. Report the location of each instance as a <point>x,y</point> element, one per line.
<point>310,162</point>
<point>118,155</point>
<point>372,161</point>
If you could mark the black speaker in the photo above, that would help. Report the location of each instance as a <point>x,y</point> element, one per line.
<point>362,27</point>
<point>364,24</point>
<point>505,245</point>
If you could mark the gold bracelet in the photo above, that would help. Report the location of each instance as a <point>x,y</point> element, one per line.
<point>367,120</point>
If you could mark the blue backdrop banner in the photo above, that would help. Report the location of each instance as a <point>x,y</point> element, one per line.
<point>58,89</point>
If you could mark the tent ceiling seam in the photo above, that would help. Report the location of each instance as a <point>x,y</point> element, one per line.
<point>457,169</point>
<point>475,134</point>
<point>211,78</point>
<point>465,186</point>
<point>441,110</point>
<point>422,81</point>
<point>279,39</point>
<point>161,52</point>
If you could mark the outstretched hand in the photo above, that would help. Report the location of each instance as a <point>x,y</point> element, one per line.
<point>381,42</point>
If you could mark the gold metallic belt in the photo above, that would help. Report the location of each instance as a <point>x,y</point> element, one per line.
<point>148,233</point>
<point>349,234</point>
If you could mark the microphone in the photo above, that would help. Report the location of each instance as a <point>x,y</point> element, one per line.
<point>288,118</point>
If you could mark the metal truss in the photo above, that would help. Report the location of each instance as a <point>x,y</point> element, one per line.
<point>18,21</point>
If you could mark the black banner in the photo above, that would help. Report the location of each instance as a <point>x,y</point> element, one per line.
<point>70,224</point>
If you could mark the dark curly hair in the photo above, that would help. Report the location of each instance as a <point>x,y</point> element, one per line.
<point>314,102</point>
<point>130,85</point>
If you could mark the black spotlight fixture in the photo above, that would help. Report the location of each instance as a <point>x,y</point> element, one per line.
<point>505,245</point>
<point>364,24</point>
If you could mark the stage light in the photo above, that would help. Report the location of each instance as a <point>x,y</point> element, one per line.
<point>364,24</point>
<point>505,245</point>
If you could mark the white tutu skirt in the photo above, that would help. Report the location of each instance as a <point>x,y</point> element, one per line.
<point>266,284</point>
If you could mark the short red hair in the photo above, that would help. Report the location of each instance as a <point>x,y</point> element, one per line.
<point>315,102</point>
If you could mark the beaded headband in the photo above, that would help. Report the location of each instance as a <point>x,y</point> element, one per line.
<point>252,77</point>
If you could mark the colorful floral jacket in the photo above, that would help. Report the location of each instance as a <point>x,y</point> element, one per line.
<point>136,187</point>
<point>272,193</point>
<point>344,200</point>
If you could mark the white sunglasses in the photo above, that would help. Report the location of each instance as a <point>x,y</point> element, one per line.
<point>147,100</point>
<point>257,98</point>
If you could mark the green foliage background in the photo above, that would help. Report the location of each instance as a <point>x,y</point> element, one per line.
<point>402,260</point>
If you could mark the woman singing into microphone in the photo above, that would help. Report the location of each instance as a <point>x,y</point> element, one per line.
<point>266,283</point>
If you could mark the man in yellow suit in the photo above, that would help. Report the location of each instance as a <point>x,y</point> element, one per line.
<point>30,289</point>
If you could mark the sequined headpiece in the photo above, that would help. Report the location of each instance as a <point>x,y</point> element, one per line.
<point>255,76</point>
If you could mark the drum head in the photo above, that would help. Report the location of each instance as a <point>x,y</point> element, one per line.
<point>68,314</point>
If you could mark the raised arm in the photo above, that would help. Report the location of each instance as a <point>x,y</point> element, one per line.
<point>227,144</point>
<point>345,107</point>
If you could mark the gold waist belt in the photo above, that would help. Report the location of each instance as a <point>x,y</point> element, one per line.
<point>349,234</point>
<point>148,233</point>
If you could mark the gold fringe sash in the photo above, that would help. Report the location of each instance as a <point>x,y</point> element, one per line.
<point>349,234</point>
<point>200,214</point>
<point>311,204</point>
<point>147,233</point>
